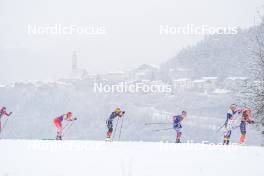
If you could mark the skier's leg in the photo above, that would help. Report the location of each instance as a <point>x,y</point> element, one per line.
<point>59,129</point>
<point>109,133</point>
<point>178,135</point>
<point>59,132</point>
<point>242,139</point>
<point>243,132</point>
<point>176,130</point>
<point>110,129</point>
<point>227,135</point>
<point>225,138</point>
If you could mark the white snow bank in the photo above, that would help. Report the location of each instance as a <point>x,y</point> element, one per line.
<point>99,158</point>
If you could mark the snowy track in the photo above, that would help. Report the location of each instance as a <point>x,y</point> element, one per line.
<point>99,158</point>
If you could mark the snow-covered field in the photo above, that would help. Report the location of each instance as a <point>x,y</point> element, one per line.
<point>100,158</point>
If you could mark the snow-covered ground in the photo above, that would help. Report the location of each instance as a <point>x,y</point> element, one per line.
<point>83,158</point>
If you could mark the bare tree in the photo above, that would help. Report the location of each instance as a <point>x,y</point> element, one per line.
<point>258,87</point>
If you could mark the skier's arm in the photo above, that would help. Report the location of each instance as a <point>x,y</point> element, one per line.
<point>72,119</point>
<point>239,111</point>
<point>228,116</point>
<point>68,118</point>
<point>182,118</point>
<point>250,120</point>
<point>7,114</point>
<point>121,114</point>
<point>173,118</point>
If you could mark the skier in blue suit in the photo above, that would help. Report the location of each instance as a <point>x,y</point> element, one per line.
<point>177,125</point>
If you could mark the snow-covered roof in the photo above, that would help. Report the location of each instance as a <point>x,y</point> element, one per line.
<point>2,85</point>
<point>181,79</point>
<point>145,80</point>
<point>92,75</point>
<point>199,81</point>
<point>209,78</point>
<point>181,69</point>
<point>236,78</point>
<point>147,67</point>
<point>221,91</point>
<point>157,81</point>
<point>115,72</point>
<point>141,73</point>
<point>154,66</point>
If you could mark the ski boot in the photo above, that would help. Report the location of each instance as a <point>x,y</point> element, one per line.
<point>108,136</point>
<point>58,138</point>
<point>108,139</point>
<point>226,142</point>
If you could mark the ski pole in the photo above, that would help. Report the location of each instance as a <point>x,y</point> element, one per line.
<point>235,127</point>
<point>220,128</point>
<point>115,128</point>
<point>67,129</point>
<point>258,123</point>
<point>66,126</point>
<point>5,123</point>
<point>162,129</point>
<point>1,128</point>
<point>120,131</point>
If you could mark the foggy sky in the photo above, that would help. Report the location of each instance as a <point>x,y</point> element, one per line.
<point>132,33</point>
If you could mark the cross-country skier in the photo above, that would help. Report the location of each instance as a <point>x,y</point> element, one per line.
<point>3,113</point>
<point>58,123</point>
<point>246,118</point>
<point>109,122</point>
<point>230,118</point>
<point>177,125</point>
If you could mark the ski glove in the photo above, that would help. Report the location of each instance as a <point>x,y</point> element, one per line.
<point>252,122</point>
<point>225,125</point>
<point>123,113</point>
